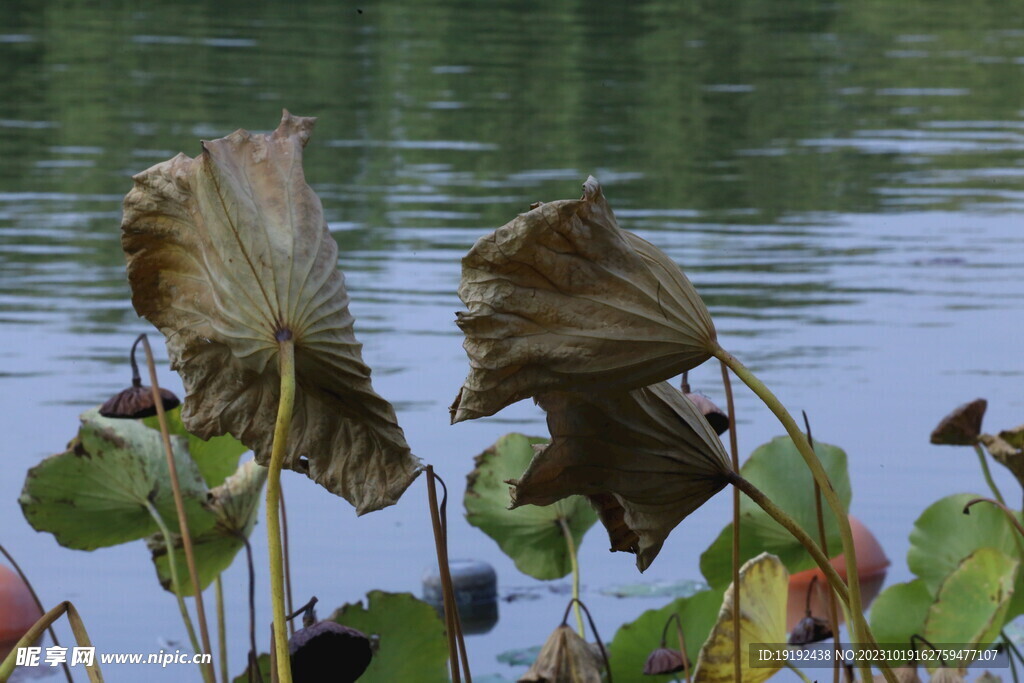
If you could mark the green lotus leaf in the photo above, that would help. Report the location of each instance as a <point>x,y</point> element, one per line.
<point>899,612</point>
<point>531,535</point>
<point>412,641</point>
<point>234,505</point>
<point>972,602</point>
<point>778,469</point>
<point>228,255</point>
<point>634,641</point>
<point>96,493</point>
<point>216,457</point>
<point>943,536</point>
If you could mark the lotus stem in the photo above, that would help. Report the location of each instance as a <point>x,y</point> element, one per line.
<point>574,561</point>
<point>833,610</point>
<point>222,630</point>
<point>447,592</point>
<point>682,640</point>
<point>737,660</point>
<point>1010,655</point>
<point>175,580</point>
<point>858,625</point>
<point>179,506</point>
<point>593,629</point>
<point>287,564</point>
<point>39,604</point>
<point>791,525</point>
<point>285,406</point>
<point>36,631</point>
<point>983,461</point>
<point>252,609</point>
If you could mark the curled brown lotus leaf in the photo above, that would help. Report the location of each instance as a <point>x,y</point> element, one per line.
<point>228,253</point>
<point>962,427</point>
<point>562,299</point>
<point>646,458</point>
<point>1004,449</point>
<point>565,658</point>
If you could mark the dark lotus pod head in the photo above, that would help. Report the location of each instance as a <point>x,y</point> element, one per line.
<point>664,661</point>
<point>718,420</point>
<point>962,426</point>
<point>328,651</point>
<point>810,630</point>
<point>137,401</point>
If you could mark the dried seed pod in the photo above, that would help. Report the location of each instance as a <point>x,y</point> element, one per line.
<point>137,400</point>
<point>565,658</point>
<point>664,661</point>
<point>329,651</point>
<point>562,299</point>
<point>715,416</point>
<point>962,426</point>
<point>810,630</point>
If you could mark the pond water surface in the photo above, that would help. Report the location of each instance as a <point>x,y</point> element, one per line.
<point>842,182</point>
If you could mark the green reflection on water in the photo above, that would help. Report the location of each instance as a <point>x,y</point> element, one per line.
<point>457,115</point>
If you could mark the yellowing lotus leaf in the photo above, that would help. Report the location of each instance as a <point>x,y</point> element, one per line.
<point>764,587</point>
<point>565,658</point>
<point>561,298</point>
<point>228,253</point>
<point>646,458</point>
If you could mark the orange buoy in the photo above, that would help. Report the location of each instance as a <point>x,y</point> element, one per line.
<point>18,611</point>
<point>871,567</point>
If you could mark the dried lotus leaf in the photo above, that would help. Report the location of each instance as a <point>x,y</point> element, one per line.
<point>561,298</point>
<point>228,253</point>
<point>646,458</point>
<point>565,658</point>
<point>962,426</point>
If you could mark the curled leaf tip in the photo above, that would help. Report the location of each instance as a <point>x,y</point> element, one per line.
<point>962,427</point>
<point>562,299</point>
<point>226,251</point>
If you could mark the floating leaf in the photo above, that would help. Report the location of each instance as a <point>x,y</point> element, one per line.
<point>565,658</point>
<point>522,656</point>
<point>972,601</point>
<point>412,641</point>
<point>228,253</point>
<point>764,585</point>
<point>647,458</point>
<point>234,505</point>
<point>961,427</point>
<point>216,457</point>
<point>778,469</point>
<point>944,536</point>
<point>560,299</point>
<point>683,588</point>
<point>899,612</point>
<point>532,536</point>
<point>634,641</point>
<point>96,493</point>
